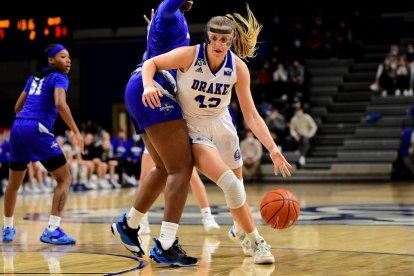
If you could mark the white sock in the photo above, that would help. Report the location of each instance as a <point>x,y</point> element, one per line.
<point>205,212</point>
<point>168,234</point>
<point>237,228</point>
<point>254,236</point>
<point>134,217</point>
<point>8,221</point>
<point>54,222</point>
<point>144,219</point>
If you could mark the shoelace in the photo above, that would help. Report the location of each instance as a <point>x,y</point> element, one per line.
<point>263,247</point>
<point>61,233</point>
<point>178,248</point>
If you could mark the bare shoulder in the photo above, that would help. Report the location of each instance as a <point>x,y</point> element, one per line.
<point>241,66</point>
<point>185,55</point>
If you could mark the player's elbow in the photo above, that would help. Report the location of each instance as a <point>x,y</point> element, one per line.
<point>60,105</point>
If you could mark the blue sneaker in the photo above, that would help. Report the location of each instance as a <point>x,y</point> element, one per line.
<point>8,233</point>
<point>56,237</point>
<point>127,236</point>
<point>174,256</point>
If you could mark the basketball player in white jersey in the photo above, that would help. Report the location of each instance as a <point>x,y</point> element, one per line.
<point>207,73</point>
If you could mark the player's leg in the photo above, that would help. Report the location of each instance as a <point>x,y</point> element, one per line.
<point>200,193</point>
<point>17,173</point>
<point>146,165</point>
<point>235,195</point>
<point>60,171</point>
<point>19,159</point>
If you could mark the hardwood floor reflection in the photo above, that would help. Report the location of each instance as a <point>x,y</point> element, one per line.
<point>344,229</point>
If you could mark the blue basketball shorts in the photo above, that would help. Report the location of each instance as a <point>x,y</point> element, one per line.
<point>142,116</point>
<point>30,141</point>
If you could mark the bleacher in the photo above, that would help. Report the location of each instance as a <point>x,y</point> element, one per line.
<point>347,145</point>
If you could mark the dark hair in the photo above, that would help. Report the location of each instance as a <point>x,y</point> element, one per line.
<point>43,63</point>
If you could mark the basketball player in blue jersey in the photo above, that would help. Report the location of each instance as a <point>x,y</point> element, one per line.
<point>165,135</point>
<point>205,77</point>
<point>32,139</point>
<point>197,186</point>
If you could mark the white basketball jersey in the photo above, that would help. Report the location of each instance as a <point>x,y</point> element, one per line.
<point>203,94</point>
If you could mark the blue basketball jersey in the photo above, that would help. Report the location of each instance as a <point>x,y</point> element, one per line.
<point>168,29</point>
<point>40,102</point>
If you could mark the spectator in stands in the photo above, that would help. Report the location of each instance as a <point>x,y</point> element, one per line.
<point>110,159</point>
<point>296,50</point>
<point>277,125</point>
<point>409,53</point>
<point>385,77</point>
<point>314,44</point>
<point>80,169</point>
<point>263,87</point>
<point>93,153</point>
<point>296,73</point>
<point>302,129</point>
<point>133,163</point>
<point>344,45</point>
<point>279,84</point>
<point>251,152</point>
<point>121,146</point>
<point>402,77</point>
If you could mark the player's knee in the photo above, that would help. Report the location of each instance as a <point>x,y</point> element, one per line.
<point>233,189</point>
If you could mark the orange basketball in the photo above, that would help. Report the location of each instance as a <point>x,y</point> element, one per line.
<point>279,208</point>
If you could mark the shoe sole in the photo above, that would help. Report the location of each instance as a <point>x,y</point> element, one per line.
<point>57,243</point>
<point>156,259</point>
<point>266,260</point>
<point>118,236</point>
<point>7,240</point>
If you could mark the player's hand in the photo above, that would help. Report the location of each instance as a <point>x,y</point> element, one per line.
<point>148,20</point>
<point>280,163</point>
<point>151,97</point>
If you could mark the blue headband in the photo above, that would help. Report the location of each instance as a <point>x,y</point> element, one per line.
<point>56,49</point>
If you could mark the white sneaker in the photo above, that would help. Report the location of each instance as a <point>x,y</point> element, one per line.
<point>262,254</point>
<point>302,160</point>
<point>144,228</point>
<point>104,185</point>
<point>398,92</point>
<point>210,224</point>
<point>243,240</point>
<point>374,87</point>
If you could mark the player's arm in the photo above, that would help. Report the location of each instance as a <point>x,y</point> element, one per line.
<point>20,102</point>
<point>66,114</point>
<point>169,7</point>
<point>254,121</point>
<point>180,58</point>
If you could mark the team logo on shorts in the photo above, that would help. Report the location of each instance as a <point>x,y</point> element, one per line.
<point>237,155</point>
<point>166,108</point>
<point>54,146</point>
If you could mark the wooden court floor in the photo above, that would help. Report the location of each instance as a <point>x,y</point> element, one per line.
<point>344,229</point>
